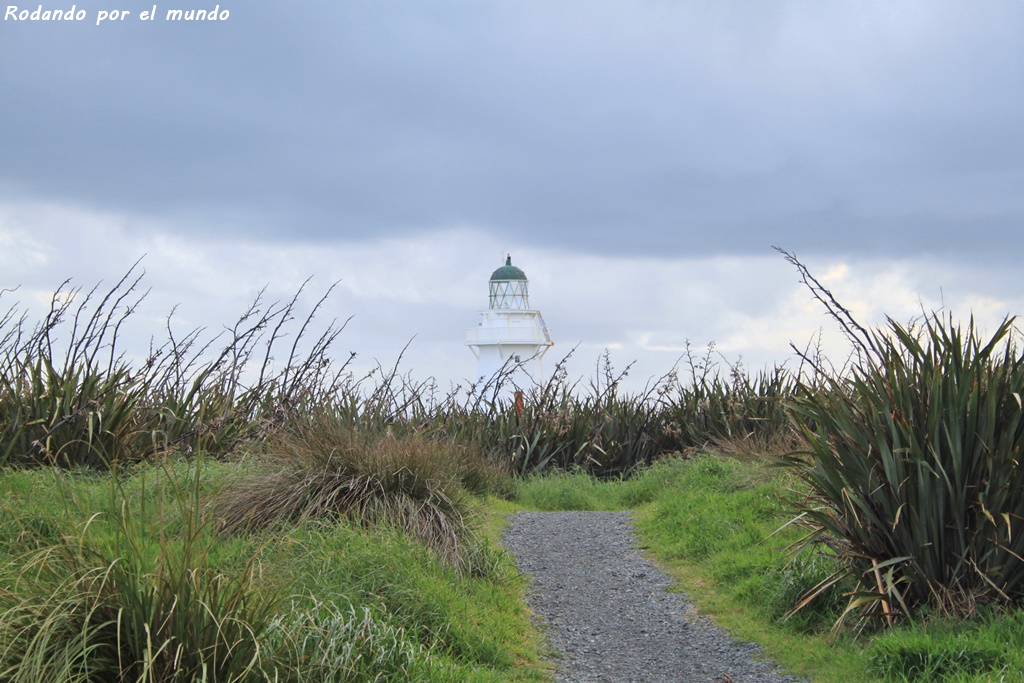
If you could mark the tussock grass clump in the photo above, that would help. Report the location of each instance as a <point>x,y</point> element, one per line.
<point>324,469</point>
<point>113,598</point>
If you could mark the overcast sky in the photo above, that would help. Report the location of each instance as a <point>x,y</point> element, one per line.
<point>638,159</point>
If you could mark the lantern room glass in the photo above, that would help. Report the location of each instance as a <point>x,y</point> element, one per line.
<point>509,294</point>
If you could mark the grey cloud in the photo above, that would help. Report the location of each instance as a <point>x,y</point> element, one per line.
<point>699,129</point>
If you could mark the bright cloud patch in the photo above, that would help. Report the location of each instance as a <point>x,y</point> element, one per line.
<point>427,289</point>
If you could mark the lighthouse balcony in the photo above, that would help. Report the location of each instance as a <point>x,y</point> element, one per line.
<point>486,335</point>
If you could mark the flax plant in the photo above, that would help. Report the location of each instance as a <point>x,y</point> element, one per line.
<point>914,466</point>
<point>741,412</point>
<point>599,429</point>
<point>69,396</point>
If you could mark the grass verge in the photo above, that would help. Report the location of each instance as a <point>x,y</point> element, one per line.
<point>719,527</point>
<point>123,577</point>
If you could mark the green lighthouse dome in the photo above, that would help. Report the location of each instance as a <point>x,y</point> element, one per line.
<point>508,272</point>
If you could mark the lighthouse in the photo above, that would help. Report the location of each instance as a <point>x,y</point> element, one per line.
<point>510,335</point>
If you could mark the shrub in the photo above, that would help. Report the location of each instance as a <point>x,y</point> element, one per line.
<point>914,467</point>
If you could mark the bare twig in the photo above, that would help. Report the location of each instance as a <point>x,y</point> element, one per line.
<point>854,331</point>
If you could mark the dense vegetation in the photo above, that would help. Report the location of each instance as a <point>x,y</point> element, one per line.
<point>69,397</point>
<point>210,513</point>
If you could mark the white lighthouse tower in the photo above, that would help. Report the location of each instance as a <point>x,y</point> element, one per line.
<point>510,333</point>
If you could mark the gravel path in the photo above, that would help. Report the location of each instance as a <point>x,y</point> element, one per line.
<point>608,611</point>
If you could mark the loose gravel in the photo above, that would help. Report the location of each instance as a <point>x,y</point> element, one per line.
<point>608,610</point>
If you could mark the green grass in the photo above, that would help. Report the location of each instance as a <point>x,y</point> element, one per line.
<point>719,526</point>
<point>106,577</point>
<point>335,599</point>
<point>127,586</point>
<point>344,533</point>
<point>559,490</point>
<point>937,653</point>
<point>472,623</point>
